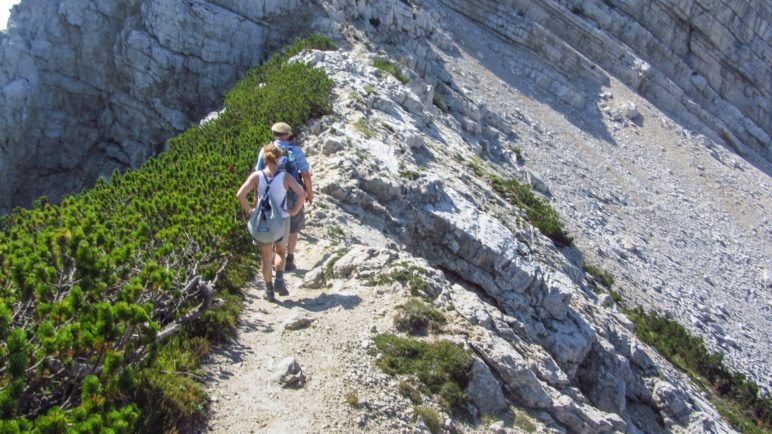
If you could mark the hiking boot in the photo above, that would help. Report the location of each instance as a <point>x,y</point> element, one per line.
<point>290,264</point>
<point>280,285</point>
<point>269,292</point>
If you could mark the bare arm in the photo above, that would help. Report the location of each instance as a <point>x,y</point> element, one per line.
<point>248,185</point>
<point>289,182</point>
<point>309,188</point>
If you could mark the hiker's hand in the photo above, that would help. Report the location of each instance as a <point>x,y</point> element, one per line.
<point>293,212</point>
<point>250,212</point>
<point>310,197</point>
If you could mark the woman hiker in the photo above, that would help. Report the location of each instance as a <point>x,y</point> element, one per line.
<point>259,181</point>
<point>294,162</point>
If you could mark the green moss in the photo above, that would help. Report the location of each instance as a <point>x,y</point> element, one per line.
<point>443,367</point>
<point>487,419</point>
<point>606,278</point>
<point>737,398</point>
<point>416,318</point>
<point>370,89</point>
<point>362,126</point>
<point>385,65</point>
<point>429,416</point>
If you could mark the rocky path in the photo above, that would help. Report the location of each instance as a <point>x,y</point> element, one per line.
<point>244,396</point>
<point>332,352</point>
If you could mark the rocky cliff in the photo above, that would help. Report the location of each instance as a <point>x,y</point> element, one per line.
<point>92,87</point>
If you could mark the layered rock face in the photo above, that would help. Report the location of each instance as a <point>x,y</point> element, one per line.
<point>704,62</point>
<point>90,87</point>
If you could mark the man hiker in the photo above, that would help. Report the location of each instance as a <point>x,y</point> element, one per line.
<point>293,162</point>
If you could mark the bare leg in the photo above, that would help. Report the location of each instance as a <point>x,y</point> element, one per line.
<point>266,254</point>
<point>278,260</point>
<point>293,241</point>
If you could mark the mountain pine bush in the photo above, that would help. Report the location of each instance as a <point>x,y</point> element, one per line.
<point>86,285</point>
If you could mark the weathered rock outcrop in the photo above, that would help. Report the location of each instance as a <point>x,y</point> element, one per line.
<point>90,87</point>
<point>704,62</point>
<point>553,345</point>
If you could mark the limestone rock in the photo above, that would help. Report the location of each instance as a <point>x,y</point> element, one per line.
<point>288,373</point>
<point>484,390</point>
<point>297,320</point>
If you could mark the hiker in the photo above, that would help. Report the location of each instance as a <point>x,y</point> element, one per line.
<point>294,163</point>
<point>260,180</point>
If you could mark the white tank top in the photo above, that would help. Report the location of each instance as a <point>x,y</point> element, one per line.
<point>277,191</point>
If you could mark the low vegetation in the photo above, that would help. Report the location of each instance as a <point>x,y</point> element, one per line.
<point>737,399</point>
<point>429,416</point>
<point>604,277</point>
<point>443,368</point>
<point>364,129</point>
<point>91,289</point>
<point>409,275</point>
<point>352,399</point>
<point>416,318</point>
<point>331,263</point>
<point>539,211</point>
<point>394,70</point>
<point>410,390</point>
<point>439,101</point>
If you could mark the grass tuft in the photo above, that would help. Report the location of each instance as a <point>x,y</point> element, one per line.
<point>385,65</point>
<point>416,318</point>
<point>443,367</point>
<point>429,416</point>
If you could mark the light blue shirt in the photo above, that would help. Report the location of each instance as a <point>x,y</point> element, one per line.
<point>300,158</point>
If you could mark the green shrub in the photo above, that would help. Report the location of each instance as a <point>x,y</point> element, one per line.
<point>606,278</point>
<point>92,280</point>
<point>443,367</point>
<point>385,65</point>
<point>408,275</point>
<point>616,296</point>
<point>416,318</point>
<point>737,398</point>
<point>429,416</point>
<point>539,211</point>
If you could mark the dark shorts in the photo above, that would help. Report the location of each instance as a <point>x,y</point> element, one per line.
<point>298,222</point>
